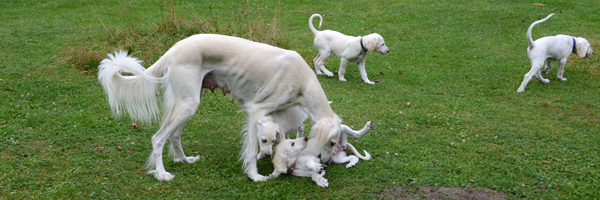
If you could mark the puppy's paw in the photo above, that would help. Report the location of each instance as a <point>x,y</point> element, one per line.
<point>329,74</point>
<point>342,79</point>
<point>562,79</point>
<point>369,126</point>
<point>545,81</point>
<point>370,82</point>
<point>319,73</point>
<point>273,175</point>
<point>544,72</point>
<point>322,182</point>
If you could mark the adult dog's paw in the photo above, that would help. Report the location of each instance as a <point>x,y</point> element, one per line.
<point>562,79</point>
<point>162,176</point>
<point>369,125</point>
<point>258,177</point>
<point>322,182</point>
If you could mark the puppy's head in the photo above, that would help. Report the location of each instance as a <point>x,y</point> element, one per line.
<point>286,152</point>
<point>375,43</point>
<point>584,48</point>
<point>268,132</point>
<point>326,133</point>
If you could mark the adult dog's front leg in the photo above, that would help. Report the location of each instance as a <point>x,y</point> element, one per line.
<point>250,147</point>
<point>363,72</point>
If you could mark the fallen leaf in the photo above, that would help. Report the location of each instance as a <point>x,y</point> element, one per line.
<point>119,148</point>
<point>3,122</point>
<point>539,4</point>
<point>407,104</point>
<point>134,125</point>
<point>375,80</point>
<point>432,166</point>
<point>129,150</point>
<point>389,109</point>
<point>26,155</point>
<point>28,75</point>
<point>561,11</point>
<point>336,71</point>
<point>230,100</point>
<point>83,72</point>
<point>471,180</point>
<point>361,84</point>
<point>544,186</point>
<point>100,149</point>
<point>400,72</point>
<point>382,74</point>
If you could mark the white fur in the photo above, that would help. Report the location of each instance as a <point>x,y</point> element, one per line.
<point>347,48</point>
<point>261,77</point>
<point>304,162</point>
<point>552,48</point>
<point>279,122</point>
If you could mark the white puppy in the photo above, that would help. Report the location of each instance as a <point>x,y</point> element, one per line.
<point>552,48</point>
<point>263,79</point>
<point>279,122</point>
<point>347,48</point>
<point>290,156</point>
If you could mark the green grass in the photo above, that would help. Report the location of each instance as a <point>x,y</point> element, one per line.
<point>462,62</point>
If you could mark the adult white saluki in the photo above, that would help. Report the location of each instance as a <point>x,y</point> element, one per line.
<point>261,77</point>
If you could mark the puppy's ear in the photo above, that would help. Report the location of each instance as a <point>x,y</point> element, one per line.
<point>279,163</point>
<point>582,47</point>
<point>371,43</point>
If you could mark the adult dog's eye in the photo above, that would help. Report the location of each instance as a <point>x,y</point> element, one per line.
<point>332,143</point>
<point>292,144</point>
<point>264,140</point>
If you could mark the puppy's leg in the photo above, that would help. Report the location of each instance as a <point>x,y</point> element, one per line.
<point>548,68</point>
<point>357,134</point>
<point>316,61</point>
<point>342,157</point>
<point>363,72</point>
<point>318,178</point>
<point>535,71</point>
<point>561,69</point>
<point>320,61</point>
<point>342,70</point>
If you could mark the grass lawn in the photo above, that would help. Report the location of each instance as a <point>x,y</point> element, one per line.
<point>461,63</point>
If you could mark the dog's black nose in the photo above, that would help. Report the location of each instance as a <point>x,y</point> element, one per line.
<point>268,155</point>
<point>305,139</point>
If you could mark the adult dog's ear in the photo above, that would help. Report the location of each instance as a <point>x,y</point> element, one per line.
<point>582,47</point>
<point>279,163</point>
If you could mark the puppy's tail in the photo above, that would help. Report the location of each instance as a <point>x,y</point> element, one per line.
<point>357,154</point>
<point>529,39</point>
<point>134,94</point>
<point>310,24</point>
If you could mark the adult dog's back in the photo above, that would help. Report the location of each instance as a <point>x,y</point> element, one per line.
<point>261,77</point>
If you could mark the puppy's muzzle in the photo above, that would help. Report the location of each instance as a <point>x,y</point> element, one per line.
<point>267,155</point>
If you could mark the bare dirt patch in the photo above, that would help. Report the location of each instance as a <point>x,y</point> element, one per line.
<point>430,192</point>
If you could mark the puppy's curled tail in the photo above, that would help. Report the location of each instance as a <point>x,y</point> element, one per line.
<point>529,39</point>
<point>357,154</point>
<point>134,94</point>
<point>310,24</point>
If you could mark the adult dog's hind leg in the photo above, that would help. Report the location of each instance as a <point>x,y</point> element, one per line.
<point>177,151</point>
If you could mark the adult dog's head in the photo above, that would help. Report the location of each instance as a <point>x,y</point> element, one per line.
<point>374,42</point>
<point>286,152</point>
<point>326,133</point>
<point>584,48</point>
<point>268,134</point>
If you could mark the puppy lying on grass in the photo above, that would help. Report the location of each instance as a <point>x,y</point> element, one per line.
<point>293,156</point>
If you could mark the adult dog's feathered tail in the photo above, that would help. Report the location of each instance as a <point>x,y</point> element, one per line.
<point>357,154</point>
<point>310,24</point>
<point>529,39</point>
<point>134,94</point>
